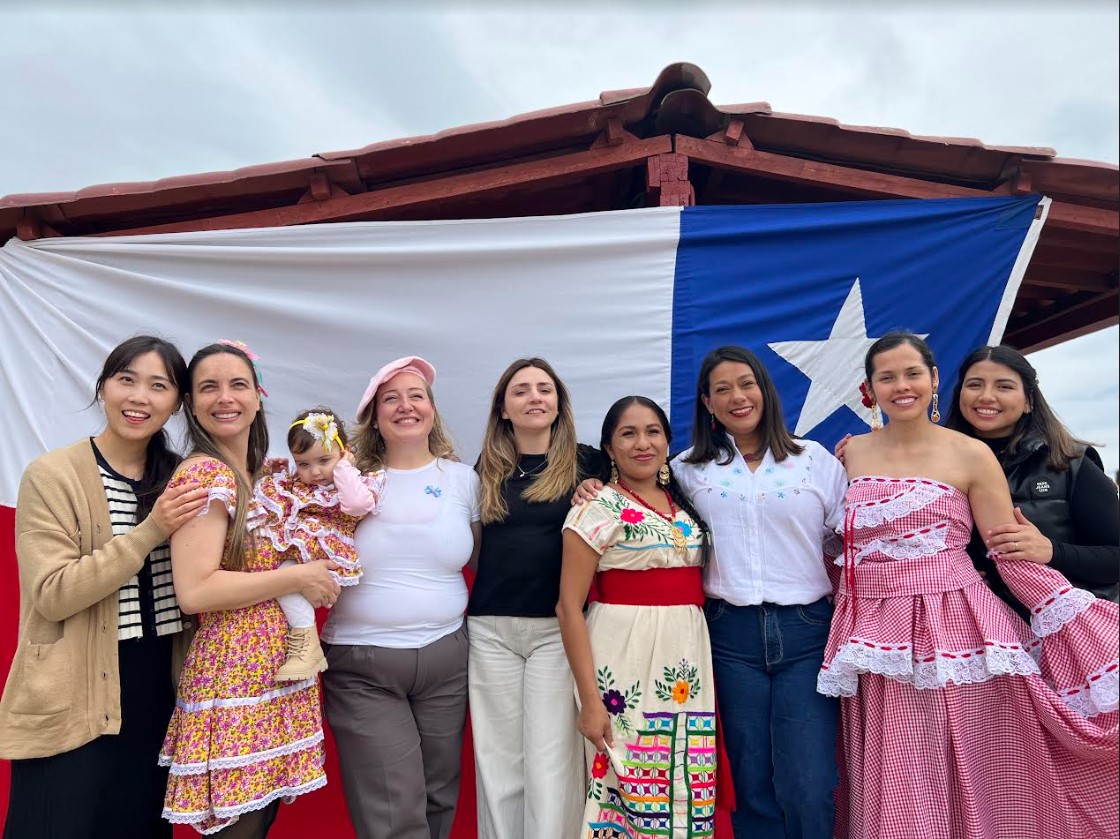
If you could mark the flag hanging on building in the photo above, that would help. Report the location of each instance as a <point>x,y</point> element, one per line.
<point>620,303</point>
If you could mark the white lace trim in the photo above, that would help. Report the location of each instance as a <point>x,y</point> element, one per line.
<point>228,497</point>
<point>239,761</point>
<point>282,541</point>
<point>1099,694</point>
<point>1058,609</point>
<point>228,815</point>
<point>242,701</point>
<point>840,676</point>
<point>928,541</point>
<point>914,494</point>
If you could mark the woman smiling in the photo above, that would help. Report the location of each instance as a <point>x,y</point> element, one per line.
<point>91,690</point>
<point>641,659</point>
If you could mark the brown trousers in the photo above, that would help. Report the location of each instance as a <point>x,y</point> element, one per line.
<point>398,718</point>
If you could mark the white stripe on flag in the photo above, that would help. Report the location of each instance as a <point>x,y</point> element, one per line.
<point>326,305</point>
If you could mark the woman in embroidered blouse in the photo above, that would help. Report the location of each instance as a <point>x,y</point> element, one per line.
<point>774,505</point>
<point>958,719</point>
<point>641,659</point>
<point>237,745</point>
<point>528,752</point>
<point>97,610</point>
<point>396,645</point>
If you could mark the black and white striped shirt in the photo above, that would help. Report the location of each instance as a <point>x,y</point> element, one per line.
<point>146,603</point>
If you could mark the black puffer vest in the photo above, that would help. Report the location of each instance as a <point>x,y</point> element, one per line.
<point>1045,495</point>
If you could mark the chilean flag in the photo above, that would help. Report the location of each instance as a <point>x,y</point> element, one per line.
<point>620,303</point>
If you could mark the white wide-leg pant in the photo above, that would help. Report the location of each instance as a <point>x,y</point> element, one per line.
<point>528,753</point>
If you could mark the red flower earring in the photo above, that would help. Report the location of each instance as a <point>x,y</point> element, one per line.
<point>869,402</point>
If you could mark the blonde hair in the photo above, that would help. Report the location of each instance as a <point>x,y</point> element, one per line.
<point>499,448</point>
<point>369,446</point>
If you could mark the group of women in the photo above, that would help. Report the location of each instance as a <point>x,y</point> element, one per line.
<point>753,575</point>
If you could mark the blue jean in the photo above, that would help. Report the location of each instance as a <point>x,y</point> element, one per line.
<point>779,732</point>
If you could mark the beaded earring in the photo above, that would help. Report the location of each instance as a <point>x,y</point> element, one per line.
<point>663,475</point>
<point>614,473</point>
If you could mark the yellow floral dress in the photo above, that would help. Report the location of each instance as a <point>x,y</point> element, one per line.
<point>653,665</point>
<point>237,741</point>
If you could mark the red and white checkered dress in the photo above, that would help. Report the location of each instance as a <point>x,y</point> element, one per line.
<point>958,719</point>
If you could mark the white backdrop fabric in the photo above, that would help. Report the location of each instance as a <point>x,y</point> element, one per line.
<point>327,305</point>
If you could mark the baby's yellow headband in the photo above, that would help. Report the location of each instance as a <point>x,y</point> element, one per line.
<point>323,427</point>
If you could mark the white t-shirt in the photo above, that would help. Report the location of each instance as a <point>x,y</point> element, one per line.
<point>412,551</point>
<point>770,528</point>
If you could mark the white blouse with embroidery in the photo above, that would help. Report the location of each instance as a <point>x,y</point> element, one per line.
<point>771,528</point>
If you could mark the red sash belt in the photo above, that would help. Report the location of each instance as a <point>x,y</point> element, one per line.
<point>652,587</point>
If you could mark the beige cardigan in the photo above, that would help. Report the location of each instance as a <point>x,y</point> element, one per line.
<point>64,686</point>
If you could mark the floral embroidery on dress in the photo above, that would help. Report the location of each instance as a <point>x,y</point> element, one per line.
<point>599,768</point>
<point>636,524</point>
<point>616,701</point>
<point>681,682</point>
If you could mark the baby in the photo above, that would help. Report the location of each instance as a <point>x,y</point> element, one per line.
<point>311,514</point>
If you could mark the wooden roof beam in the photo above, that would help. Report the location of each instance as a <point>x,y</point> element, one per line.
<point>431,192</point>
<point>1069,279</point>
<point>30,227</point>
<point>1058,323</point>
<point>1072,257</point>
<point>717,151</point>
<point>781,167</point>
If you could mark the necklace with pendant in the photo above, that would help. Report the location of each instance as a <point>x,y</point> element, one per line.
<point>523,473</point>
<point>680,541</point>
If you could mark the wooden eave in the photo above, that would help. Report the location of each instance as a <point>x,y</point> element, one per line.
<point>664,144</point>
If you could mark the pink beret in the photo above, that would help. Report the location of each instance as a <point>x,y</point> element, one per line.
<point>410,363</point>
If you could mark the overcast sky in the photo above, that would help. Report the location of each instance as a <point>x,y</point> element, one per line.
<point>96,93</point>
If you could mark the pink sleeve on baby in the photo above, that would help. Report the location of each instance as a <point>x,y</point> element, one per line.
<point>355,496</point>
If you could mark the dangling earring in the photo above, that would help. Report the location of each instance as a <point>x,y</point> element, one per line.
<point>663,474</point>
<point>935,414</point>
<point>714,425</point>
<point>869,402</point>
<point>614,473</point>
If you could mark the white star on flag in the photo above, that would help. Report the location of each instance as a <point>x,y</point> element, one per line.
<point>834,366</point>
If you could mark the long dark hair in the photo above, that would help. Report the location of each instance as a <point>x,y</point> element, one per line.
<point>710,443</point>
<point>610,423</point>
<point>160,459</point>
<point>1039,421</point>
<point>499,448</point>
<point>234,556</point>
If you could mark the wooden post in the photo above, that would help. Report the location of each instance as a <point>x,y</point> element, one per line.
<point>667,181</point>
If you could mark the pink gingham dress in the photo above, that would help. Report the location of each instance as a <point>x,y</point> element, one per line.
<point>959,720</point>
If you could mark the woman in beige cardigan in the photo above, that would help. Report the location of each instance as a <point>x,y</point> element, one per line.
<point>90,690</point>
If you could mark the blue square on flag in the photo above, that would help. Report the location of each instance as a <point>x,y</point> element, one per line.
<point>809,288</point>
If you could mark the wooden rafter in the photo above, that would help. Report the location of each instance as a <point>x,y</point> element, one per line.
<point>1070,279</point>
<point>1062,322</point>
<point>431,192</point>
<point>869,184</point>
